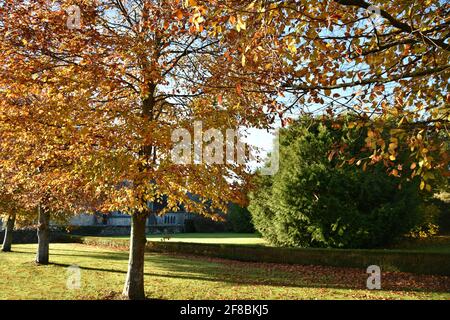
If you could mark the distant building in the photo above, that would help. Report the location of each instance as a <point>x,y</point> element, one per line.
<point>117,222</point>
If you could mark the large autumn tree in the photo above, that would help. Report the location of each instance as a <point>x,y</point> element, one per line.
<point>111,86</point>
<point>102,95</point>
<point>36,161</point>
<point>380,59</point>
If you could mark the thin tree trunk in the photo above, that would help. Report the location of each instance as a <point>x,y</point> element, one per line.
<point>43,233</point>
<point>134,284</point>
<point>7,241</point>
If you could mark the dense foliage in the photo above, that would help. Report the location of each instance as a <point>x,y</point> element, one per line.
<point>239,219</point>
<point>316,200</point>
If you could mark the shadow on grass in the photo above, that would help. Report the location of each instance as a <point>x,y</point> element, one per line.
<point>237,273</point>
<point>196,268</point>
<point>84,254</point>
<point>214,278</point>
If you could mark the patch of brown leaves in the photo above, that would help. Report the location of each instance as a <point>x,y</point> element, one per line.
<point>338,277</point>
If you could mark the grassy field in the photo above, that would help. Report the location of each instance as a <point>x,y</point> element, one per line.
<point>218,238</point>
<point>103,273</point>
<point>440,244</point>
<point>224,238</point>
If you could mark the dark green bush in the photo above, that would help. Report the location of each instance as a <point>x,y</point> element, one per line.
<point>239,219</point>
<point>206,225</point>
<point>29,235</point>
<point>189,226</point>
<point>315,202</point>
<point>443,220</point>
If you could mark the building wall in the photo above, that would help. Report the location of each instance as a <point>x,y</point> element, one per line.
<point>83,220</point>
<point>119,219</point>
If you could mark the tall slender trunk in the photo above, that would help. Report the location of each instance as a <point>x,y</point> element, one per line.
<point>134,284</point>
<point>43,233</point>
<point>7,241</point>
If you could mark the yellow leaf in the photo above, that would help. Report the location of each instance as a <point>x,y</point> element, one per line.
<point>422,185</point>
<point>240,25</point>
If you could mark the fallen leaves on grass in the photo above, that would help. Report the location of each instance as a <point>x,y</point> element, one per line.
<point>334,277</point>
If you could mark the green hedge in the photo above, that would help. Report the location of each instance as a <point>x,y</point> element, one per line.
<point>388,260</point>
<point>29,235</point>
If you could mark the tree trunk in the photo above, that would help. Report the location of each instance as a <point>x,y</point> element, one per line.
<point>43,234</point>
<point>134,284</point>
<point>7,241</point>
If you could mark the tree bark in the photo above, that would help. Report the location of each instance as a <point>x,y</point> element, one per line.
<point>7,241</point>
<point>134,284</point>
<point>43,233</point>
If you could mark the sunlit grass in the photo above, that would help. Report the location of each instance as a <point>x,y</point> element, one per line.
<point>223,238</point>
<point>439,244</point>
<point>176,277</point>
<point>219,238</point>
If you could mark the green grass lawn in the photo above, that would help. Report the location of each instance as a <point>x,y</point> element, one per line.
<point>223,238</point>
<point>187,277</point>
<point>440,244</point>
<point>218,238</point>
